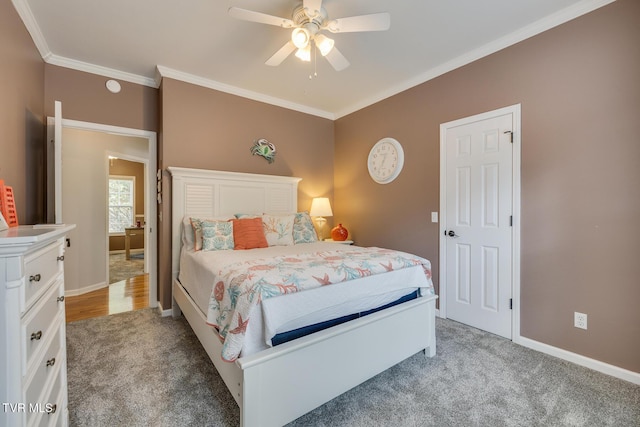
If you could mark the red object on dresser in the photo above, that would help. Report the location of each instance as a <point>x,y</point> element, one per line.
<point>339,233</point>
<point>8,205</point>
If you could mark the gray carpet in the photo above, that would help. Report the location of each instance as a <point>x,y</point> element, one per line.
<point>121,269</point>
<point>138,369</point>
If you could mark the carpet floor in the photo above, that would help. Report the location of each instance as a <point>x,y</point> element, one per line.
<point>139,369</point>
<point>121,269</point>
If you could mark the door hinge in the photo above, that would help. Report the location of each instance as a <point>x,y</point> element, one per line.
<point>510,134</point>
<point>511,221</point>
<point>510,303</point>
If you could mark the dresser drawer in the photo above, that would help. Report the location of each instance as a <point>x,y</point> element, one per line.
<point>45,369</point>
<point>38,324</point>
<point>41,267</point>
<point>52,408</point>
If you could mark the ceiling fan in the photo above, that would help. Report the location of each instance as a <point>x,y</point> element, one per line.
<point>308,20</point>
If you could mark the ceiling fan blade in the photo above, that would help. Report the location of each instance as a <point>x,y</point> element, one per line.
<point>373,22</point>
<point>281,54</point>
<point>259,17</point>
<point>312,7</point>
<point>337,59</point>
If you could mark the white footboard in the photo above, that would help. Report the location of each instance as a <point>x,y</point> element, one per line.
<point>278,385</point>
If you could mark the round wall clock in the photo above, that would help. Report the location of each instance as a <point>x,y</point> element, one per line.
<point>386,159</point>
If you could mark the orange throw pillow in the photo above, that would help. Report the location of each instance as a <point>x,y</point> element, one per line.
<point>248,233</point>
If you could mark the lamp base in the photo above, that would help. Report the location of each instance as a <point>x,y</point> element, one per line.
<point>321,223</point>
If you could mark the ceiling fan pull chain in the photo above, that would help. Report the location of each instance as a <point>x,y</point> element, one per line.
<point>315,64</point>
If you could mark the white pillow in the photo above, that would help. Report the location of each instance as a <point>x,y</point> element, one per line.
<point>188,233</point>
<point>278,229</point>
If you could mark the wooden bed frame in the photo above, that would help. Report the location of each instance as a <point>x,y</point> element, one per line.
<point>278,385</point>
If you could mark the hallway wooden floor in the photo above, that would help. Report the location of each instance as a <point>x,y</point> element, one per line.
<point>126,295</point>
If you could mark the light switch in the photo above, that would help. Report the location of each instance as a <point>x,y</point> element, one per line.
<point>434,216</point>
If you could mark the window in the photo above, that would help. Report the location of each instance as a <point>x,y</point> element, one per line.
<point>121,197</point>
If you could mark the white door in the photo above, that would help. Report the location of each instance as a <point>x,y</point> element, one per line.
<point>478,239</point>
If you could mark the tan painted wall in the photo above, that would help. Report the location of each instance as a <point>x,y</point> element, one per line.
<point>208,129</point>
<point>21,116</point>
<point>579,86</point>
<point>85,97</point>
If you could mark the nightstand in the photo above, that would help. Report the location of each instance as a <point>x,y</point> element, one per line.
<point>343,242</point>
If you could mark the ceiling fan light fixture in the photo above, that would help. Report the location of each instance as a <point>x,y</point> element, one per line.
<point>324,44</point>
<point>300,37</point>
<point>304,53</point>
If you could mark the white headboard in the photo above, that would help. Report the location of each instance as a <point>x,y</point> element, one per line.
<point>206,194</point>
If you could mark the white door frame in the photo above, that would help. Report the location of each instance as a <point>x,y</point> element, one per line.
<point>515,259</point>
<point>151,233</point>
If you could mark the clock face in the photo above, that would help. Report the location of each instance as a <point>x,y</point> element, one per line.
<point>386,159</point>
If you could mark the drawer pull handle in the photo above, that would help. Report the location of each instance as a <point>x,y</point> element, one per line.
<point>61,258</point>
<point>61,299</point>
<point>51,362</point>
<point>35,278</point>
<point>53,409</point>
<point>36,335</point>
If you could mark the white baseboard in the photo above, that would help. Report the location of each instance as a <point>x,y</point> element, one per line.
<point>162,312</point>
<point>596,365</point>
<point>578,359</point>
<point>90,288</point>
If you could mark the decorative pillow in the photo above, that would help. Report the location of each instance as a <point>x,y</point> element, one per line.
<point>188,233</point>
<point>245,216</point>
<point>196,226</point>
<point>197,233</point>
<point>303,229</point>
<point>217,235</point>
<point>248,233</point>
<point>278,229</point>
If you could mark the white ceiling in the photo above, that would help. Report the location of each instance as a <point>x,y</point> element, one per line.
<point>197,41</point>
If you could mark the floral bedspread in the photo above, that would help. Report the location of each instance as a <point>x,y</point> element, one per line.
<point>242,285</point>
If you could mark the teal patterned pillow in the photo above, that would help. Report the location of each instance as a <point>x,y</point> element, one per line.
<point>217,235</point>
<point>303,229</point>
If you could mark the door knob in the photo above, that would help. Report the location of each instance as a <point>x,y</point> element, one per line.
<point>452,233</point>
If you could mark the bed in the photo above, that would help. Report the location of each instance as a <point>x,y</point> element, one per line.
<point>275,385</point>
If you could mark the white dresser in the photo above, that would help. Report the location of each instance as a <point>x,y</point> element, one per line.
<point>33,361</point>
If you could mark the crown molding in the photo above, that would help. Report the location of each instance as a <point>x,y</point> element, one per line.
<point>561,17</point>
<point>163,71</point>
<point>24,11</point>
<point>524,33</point>
<point>99,70</point>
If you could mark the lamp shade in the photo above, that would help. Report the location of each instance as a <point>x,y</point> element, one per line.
<point>324,44</point>
<point>320,206</point>
<point>304,53</point>
<point>300,37</point>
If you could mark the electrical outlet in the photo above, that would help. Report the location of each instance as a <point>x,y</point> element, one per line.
<point>580,320</point>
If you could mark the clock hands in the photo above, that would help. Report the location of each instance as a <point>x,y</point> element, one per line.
<point>384,158</point>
